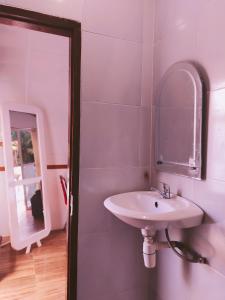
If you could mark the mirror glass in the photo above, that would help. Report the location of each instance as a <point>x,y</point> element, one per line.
<point>179,121</point>
<point>29,208</point>
<point>26,164</point>
<point>25,150</point>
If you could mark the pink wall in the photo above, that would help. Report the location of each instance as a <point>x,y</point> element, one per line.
<point>193,30</point>
<point>115,134</point>
<point>70,9</point>
<point>34,69</point>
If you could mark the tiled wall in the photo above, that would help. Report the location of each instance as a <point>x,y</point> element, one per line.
<point>115,131</point>
<point>193,30</point>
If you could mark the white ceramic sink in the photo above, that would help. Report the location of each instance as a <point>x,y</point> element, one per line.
<point>148,210</point>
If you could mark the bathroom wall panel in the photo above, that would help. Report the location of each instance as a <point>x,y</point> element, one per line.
<point>96,184</point>
<point>179,45</point>
<point>70,9</point>
<point>147,53</point>
<point>117,65</point>
<point>113,150</point>
<point>95,277</point>
<point>176,15</point>
<point>200,282</point>
<point>199,41</point>
<point>163,18</point>
<point>144,136</point>
<point>109,137</point>
<point>210,195</point>
<point>114,18</point>
<point>216,136</point>
<point>104,269</point>
<point>182,22</point>
<point>209,240</point>
<point>122,20</point>
<point>210,42</point>
<point>134,294</point>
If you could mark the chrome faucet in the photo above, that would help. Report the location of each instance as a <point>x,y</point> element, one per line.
<point>165,193</point>
<point>166,190</point>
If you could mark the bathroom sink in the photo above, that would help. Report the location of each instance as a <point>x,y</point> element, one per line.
<point>149,210</point>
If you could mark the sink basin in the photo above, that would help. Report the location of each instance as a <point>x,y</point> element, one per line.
<point>148,210</point>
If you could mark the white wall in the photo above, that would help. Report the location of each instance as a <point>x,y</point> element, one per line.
<point>34,69</point>
<point>193,30</point>
<point>70,9</point>
<point>115,134</point>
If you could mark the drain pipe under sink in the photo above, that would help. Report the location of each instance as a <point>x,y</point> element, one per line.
<point>151,246</point>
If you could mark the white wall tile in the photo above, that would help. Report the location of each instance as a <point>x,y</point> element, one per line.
<point>94,266</point>
<point>195,281</point>
<point>216,136</point>
<point>98,184</point>
<point>121,19</point>
<point>105,262</point>
<point>147,52</point>
<point>111,70</point>
<point>109,136</point>
<point>70,9</point>
<point>177,15</point>
<point>210,42</point>
<point>144,136</point>
<point>178,46</point>
<point>190,30</point>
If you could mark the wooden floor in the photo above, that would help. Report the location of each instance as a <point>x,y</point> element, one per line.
<point>29,225</point>
<point>40,275</point>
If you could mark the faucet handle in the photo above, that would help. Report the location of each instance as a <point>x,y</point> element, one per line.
<point>166,189</point>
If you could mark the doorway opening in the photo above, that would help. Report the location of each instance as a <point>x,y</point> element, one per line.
<point>37,22</point>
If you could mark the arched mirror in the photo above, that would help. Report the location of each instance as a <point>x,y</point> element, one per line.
<point>24,151</point>
<point>178,134</point>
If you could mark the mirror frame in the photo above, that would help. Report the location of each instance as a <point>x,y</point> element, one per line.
<point>194,167</point>
<point>16,242</point>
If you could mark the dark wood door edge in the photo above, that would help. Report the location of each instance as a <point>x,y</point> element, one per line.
<point>72,29</point>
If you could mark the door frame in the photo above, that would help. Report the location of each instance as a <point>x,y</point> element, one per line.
<point>72,29</point>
